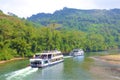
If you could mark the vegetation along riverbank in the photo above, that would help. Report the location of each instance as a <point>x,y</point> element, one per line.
<point>4,61</point>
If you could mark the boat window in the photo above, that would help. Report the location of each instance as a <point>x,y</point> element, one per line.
<point>37,56</point>
<point>49,56</point>
<point>53,55</point>
<point>45,61</point>
<point>75,51</point>
<point>39,62</point>
<point>36,62</point>
<point>43,56</point>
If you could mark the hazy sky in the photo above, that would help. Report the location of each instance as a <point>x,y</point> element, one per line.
<point>25,8</point>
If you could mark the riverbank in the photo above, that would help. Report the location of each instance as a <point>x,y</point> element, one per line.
<point>106,67</point>
<point>113,59</point>
<point>5,61</point>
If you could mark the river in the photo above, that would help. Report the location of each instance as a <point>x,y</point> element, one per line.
<point>73,68</point>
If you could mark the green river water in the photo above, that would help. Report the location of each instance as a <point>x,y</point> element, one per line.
<point>73,68</point>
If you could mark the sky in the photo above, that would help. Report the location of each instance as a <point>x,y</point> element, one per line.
<point>26,8</point>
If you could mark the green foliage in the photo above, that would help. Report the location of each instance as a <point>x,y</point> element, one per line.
<point>20,38</point>
<point>99,23</point>
<point>6,54</point>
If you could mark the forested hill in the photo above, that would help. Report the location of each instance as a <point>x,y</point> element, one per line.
<point>91,30</point>
<point>15,36</point>
<point>95,23</point>
<point>85,20</point>
<point>20,38</point>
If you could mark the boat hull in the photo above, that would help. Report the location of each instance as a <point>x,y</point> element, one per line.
<point>45,65</point>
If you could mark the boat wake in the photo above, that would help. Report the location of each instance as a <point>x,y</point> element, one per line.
<point>19,74</point>
<point>67,56</point>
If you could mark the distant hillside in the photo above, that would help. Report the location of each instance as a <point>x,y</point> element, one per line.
<point>96,21</point>
<point>84,20</point>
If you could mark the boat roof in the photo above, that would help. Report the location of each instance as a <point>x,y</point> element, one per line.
<point>48,52</point>
<point>36,59</point>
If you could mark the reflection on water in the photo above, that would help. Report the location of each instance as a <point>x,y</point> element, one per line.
<point>116,51</point>
<point>78,58</point>
<point>53,72</point>
<point>73,69</point>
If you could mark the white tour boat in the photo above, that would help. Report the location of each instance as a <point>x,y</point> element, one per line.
<point>77,52</point>
<point>46,58</point>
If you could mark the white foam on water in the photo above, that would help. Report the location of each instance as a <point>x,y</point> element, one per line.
<point>19,74</point>
<point>67,56</point>
<point>30,71</point>
<point>18,71</point>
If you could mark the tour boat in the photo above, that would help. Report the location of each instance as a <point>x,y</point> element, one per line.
<point>46,58</point>
<point>77,52</point>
